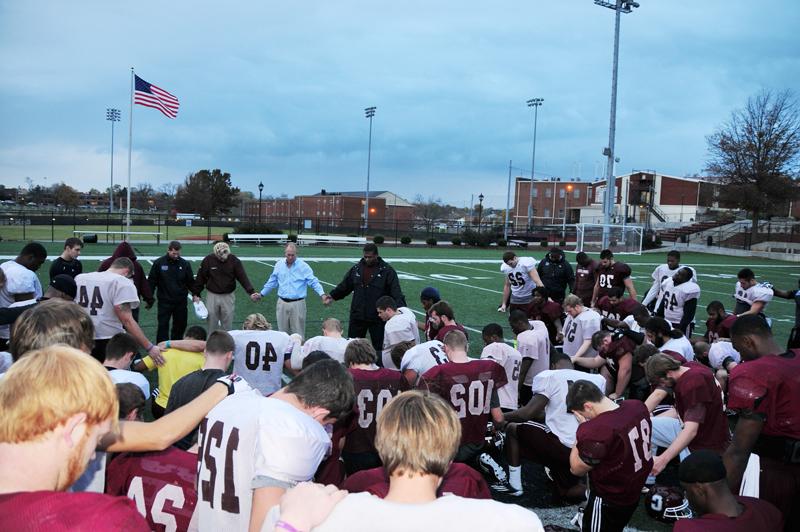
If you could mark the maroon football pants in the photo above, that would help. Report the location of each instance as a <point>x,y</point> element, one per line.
<point>538,444</point>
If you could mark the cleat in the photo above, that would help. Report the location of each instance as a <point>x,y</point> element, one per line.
<point>492,468</point>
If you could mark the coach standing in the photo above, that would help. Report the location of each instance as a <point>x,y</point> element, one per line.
<point>292,277</point>
<point>218,274</point>
<point>171,279</point>
<point>369,279</point>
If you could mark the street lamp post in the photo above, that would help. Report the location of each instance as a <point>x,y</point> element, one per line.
<point>619,7</point>
<point>112,115</point>
<point>370,113</point>
<point>480,211</point>
<point>564,219</point>
<point>260,189</point>
<point>535,103</point>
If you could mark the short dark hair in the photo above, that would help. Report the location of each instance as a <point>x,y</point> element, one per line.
<point>385,302</point>
<point>688,270</point>
<point>715,305</point>
<point>123,263</point>
<point>443,308</point>
<point>581,392</point>
<point>643,352</point>
<point>119,345</point>
<point>639,310</point>
<point>195,332</point>
<point>493,329</point>
<point>606,254</point>
<point>359,351</point>
<point>581,257</point>
<point>674,253</point>
<point>746,273</point>
<point>598,337</point>
<point>313,357</point>
<point>220,342</point>
<point>508,255</point>
<point>370,247</point>
<point>72,241</point>
<point>557,356</point>
<point>399,350</point>
<point>130,398</point>
<point>751,325</point>
<point>542,291</point>
<point>35,250</point>
<point>658,325</point>
<point>517,316</point>
<point>174,245</point>
<point>615,291</point>
<point>326,384</point>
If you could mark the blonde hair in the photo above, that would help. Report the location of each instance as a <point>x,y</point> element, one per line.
<point>48,386</point>
<point>572,301</point>
<point>418,433</point>
<point>332,324</point>
<point>256,322</point>
<point>55,321</point>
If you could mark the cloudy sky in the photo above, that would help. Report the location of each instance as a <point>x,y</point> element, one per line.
<point>276,91</point>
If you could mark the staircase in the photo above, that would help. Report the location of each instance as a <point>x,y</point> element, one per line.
<point>675,234</point>
<point>658,213</point>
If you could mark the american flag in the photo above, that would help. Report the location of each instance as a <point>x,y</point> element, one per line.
<point>151,96</point>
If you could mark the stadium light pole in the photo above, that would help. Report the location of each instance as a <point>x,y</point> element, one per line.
<point>112,115</point>
<point>480,211</point>
<point>260,189</point>
<point>619,7</point>
<point>535,103</point>
<point>370,113</point>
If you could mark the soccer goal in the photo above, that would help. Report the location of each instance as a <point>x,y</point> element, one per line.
<point>621,238</point>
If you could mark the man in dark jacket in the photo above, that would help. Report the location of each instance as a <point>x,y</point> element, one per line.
<point>369,279</point>
<point>556,274</point>
<point>218,274</point>
<point>139,280</point>
<point>171,279</point>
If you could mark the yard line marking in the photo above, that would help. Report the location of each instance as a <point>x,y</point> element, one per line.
<point>452,282</point>
<point>471,268</point>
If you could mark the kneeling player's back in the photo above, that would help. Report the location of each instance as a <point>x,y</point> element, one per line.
<point>260,357</point>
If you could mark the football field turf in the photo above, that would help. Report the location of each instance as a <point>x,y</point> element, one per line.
<point>470,280</point>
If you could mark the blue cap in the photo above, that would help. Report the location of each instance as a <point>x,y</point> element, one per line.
<point>430,292</point>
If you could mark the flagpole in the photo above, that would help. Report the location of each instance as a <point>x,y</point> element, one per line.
<point>130,148</point>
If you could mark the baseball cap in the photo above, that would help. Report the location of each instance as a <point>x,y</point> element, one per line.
<point>702,466</point>
<point>430,292</point>
<point>64,283</point>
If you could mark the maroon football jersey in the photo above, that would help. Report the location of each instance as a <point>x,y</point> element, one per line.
<point>618,349</point>
<point>676,356</point>
<point>468,386</point>
<point>460,480</point>
<point>611,276</point>
<point>617,445</point>
<point>620,311</point>
<point>757,515</point>
<point>441,333</point>
<point>430,330</point>
<point>162,484</point>
<point>331,469</point>
<point>770,386</point>
<point>549,313</point>
<point>585,277</point>
<point>57,511</point>
<point>699,387</point>
<point>374,388</point>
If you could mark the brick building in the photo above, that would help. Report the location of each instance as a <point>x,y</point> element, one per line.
<point>550,201</point>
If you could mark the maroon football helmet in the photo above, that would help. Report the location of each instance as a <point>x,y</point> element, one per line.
<point>667,504</point>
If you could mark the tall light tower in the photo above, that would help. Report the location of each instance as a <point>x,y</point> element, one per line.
<point>535,103</point>
<point>369,112</point>
<point>112,115</point>
<point>619,7</point>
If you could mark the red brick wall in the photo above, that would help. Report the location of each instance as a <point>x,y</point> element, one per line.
<point>672,190</point>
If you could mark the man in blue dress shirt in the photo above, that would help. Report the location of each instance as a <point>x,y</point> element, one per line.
<point>292,277</point>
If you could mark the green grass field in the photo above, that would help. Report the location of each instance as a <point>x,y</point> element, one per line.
<point>471,281</point>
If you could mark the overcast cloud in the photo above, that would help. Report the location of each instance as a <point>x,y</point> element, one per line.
<point>275,91</point>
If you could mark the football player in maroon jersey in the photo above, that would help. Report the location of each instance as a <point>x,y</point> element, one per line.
<point>374,387</point>
<point>48,433</point>
<point>470,386</point>
<point>443,319</point>
<point>428,297</point>
<point>615,360</point>
<point>716,509</point>
<point>585,277</point>
<point>613,306</point>
<point>765,391</point>
<point>611,273</point>
<point>546,310</point>
<point>613,447</point>
<point>698,403</point>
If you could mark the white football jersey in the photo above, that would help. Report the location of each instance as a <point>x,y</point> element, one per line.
<point>335,347</point>
<point>675,297</point>
<point>579,329</point>
<point>510,359</point>
<point>423,357</point>
<point>757,292</point>
<point>519,279</point>
<point>259,357</point>
<point>244,439</point>
<point>535,344</point>
<point>662,272</point>
<point>19,280</point>
<point>98,294</point>
<point>681,346</point>
<point>554,384</point>
<point>720,351</point>
<point>402,327</point>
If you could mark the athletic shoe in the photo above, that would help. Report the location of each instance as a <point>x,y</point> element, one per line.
<point>492,468</point>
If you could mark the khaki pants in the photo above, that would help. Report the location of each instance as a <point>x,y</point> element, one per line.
<point>292,317</point>
<point>220,311</point>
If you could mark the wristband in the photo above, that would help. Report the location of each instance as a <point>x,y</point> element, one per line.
<point>286,526</point>
<point>151,346</point>
<point>168,344</point>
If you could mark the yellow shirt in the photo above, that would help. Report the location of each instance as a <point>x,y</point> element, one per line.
<point>178,363</point>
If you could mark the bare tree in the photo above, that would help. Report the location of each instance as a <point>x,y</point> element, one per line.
<point>757,152</point>
<point>429,211</point>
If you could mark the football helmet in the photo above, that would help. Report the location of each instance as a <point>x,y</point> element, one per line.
<point>667,504</point>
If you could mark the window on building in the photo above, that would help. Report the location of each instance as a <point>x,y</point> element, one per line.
<point>548,192</point>
<point>576,193</point>
<point>535,192</point>
<point>547,213</point>
<point>561,193</point>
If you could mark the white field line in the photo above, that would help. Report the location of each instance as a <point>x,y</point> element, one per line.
<point>428,278</point>
<point>496,272</point>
